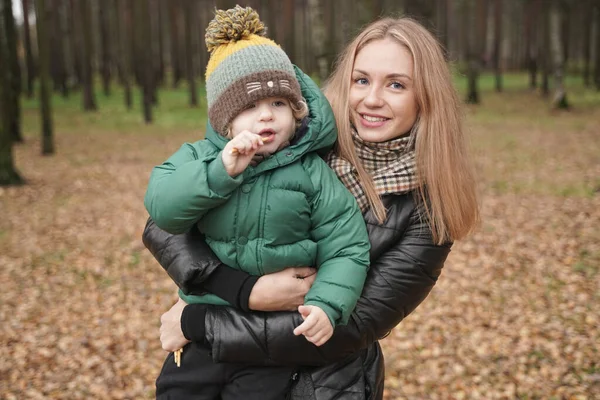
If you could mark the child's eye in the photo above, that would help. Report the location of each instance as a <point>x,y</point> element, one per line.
<point>361,81</point>
<point>279,103</point>
<point>249,106</point>
<point>397,85</point>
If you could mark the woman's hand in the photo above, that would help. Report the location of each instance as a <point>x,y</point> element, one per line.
<point>171,335</point>
<point>283,290</point>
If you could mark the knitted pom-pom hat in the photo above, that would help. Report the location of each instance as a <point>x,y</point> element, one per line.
<point>244,66</point>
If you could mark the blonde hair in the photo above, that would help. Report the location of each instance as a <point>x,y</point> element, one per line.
<point>447,185</point>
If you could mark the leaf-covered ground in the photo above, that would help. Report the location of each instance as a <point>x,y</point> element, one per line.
<point>515,315</point>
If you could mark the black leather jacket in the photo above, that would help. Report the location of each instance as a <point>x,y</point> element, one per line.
<point>405,265</point>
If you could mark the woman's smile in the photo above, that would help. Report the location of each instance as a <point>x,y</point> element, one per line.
<point>372,121</point>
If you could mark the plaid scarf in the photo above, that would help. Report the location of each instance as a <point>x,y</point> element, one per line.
<point>391,165</point>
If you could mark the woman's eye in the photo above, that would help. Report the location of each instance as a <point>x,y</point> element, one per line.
<point>361,81</point>
<point>397,85</point>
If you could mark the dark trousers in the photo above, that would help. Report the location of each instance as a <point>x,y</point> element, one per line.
<point>199,378</point>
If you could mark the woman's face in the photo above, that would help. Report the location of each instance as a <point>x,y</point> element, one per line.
<point>382,97</point>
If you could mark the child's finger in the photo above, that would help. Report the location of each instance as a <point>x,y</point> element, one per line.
<point>257,140</point>
<point>253,138</point>
<point>313,331</point>
<point>246,142</point>
<point>303,327</point>
<point>304,311</point>
<point>321,337</point>
<point>322,340</point>
<point>244,146</point>
<point>249,141</point>
<point>315,338</point>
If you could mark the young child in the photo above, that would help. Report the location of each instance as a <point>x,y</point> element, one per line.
<point>257,187</point>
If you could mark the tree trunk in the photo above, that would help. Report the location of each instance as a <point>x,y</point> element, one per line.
<point>204,16</point>
<point>308,46</point>
<point>225,4</point>
<point>597,58</point>
<point>498,44</point>
<point>29,62</point>
<point>152,47</point>
<point>57,62</point>
<point>330,30</point>
<point>76,40</point>
<point>298,34</point>
<point>557,47</point>
<point>86,52</point>
<point>104,22</point>
<point>125,35</point>
<point>62,32</point>
<point>44,61</point>
<point>453,51</point>
<point>160,74</point>
<point>288,19</point>
<point>318,14</point>
<point>588,14</point>
<point>377,8</point>
<point>273,11</point>
<point>545,51</point>
<point>143,54</point>
<point>115,37</point>
<point>175,41</point>
<point>473,53</point>
<point>532,43</point>
<point>13,88</point>
<point>564,13</point>
<point>66,34</point>
<point>341,27</point>
<point>441,15</point>
<point>8,172</point>
<point>189,56</point>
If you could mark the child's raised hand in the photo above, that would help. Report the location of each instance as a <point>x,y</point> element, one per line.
<point>239,152</point>
<point>316,326</point>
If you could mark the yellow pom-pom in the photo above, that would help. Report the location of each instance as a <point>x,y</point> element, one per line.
<point>233,25</point>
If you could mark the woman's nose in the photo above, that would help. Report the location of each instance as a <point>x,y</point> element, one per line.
<point>373,98</point>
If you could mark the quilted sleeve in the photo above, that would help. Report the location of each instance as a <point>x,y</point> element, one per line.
<point>187,185</point>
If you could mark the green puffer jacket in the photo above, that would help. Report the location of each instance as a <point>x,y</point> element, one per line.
<point>289,210</point>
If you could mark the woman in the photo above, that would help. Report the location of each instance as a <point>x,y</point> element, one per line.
<point>400,152</point>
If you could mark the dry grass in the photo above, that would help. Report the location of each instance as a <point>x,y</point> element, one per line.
<point>514,315</point>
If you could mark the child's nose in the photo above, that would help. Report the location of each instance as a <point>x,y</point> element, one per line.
<point>265,113</point>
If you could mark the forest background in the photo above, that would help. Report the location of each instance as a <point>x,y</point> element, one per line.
<point>94,93</point>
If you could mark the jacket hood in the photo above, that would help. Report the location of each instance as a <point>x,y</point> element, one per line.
<point>319,135</point>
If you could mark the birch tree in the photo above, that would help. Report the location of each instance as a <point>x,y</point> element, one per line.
<point>13,87</point>
<point>8,172</point>
<point>558,60</point>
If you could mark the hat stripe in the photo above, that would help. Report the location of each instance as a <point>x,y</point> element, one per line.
<point>225,50</point>
<point>246,61</point>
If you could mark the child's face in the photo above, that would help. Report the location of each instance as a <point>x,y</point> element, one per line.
<point>271,118</point>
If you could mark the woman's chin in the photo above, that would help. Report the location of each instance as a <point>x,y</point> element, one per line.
<point>371,135</point>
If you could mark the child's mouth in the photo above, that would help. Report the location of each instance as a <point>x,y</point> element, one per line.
<point>267,135</point>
